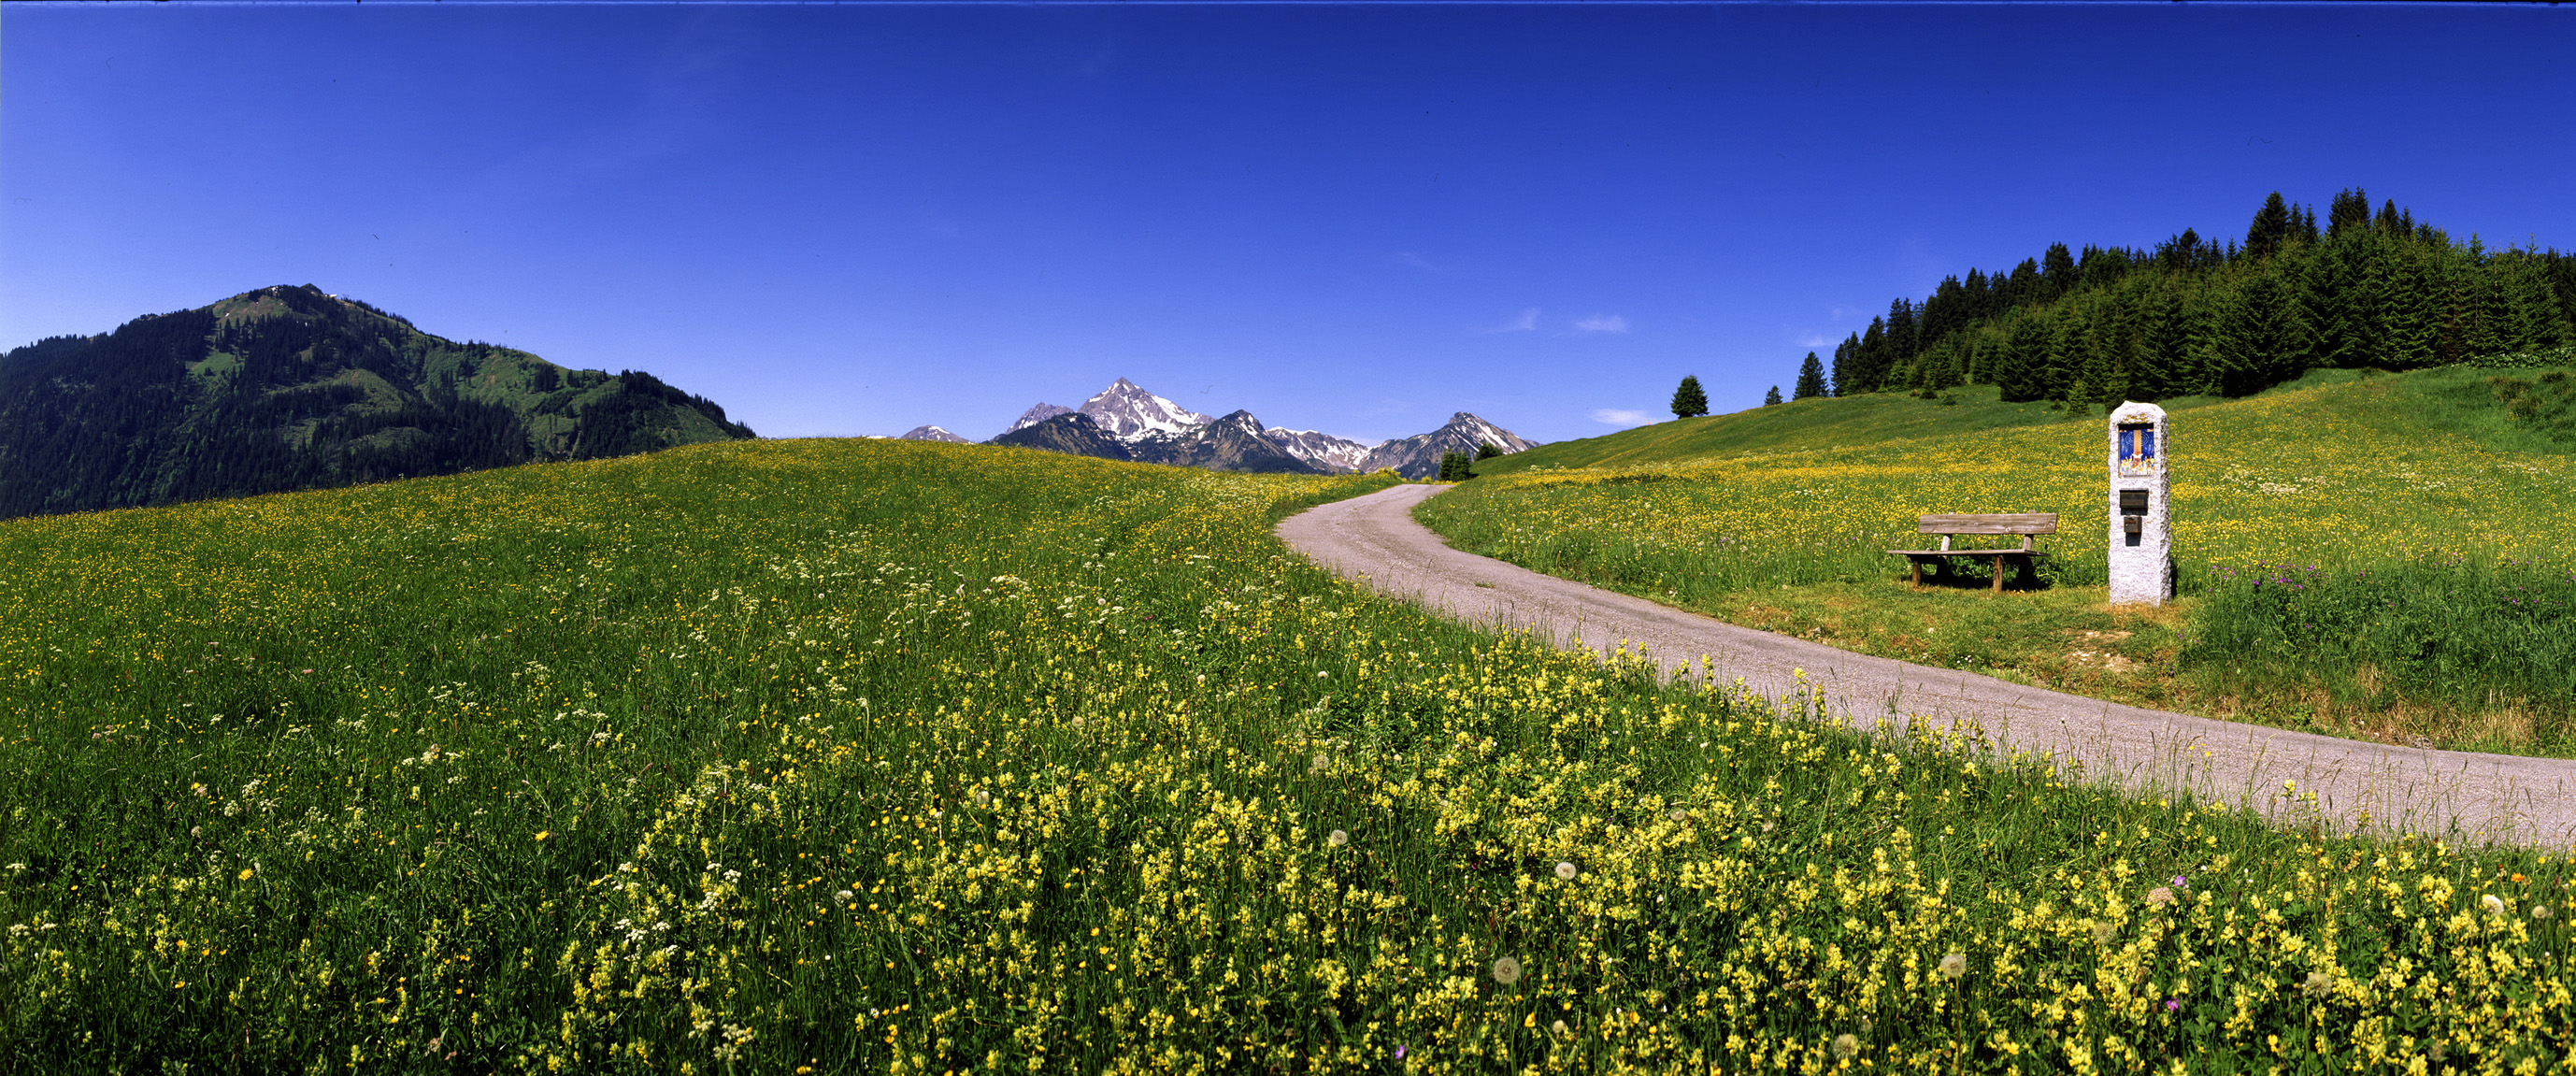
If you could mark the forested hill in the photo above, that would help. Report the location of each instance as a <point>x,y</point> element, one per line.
<point>289,388</point>
<point>2195,316</point>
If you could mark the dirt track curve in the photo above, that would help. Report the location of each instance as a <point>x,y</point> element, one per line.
<point>2504,798</point>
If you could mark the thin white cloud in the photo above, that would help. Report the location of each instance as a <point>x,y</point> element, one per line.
<point>1815,340</point>
<point>1602,323</point>
<point>1613,416</point>
<point>1527,321</point>
<point>1844,313</point>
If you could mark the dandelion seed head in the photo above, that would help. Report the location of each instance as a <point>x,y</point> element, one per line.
<point>2493,904</point>
<point>1338,839</point>
<point>2319,984</point>
<point>1953,966</point>
<point>1507,971</point>
<point>1565,871</point>
<point>1845,1045</point>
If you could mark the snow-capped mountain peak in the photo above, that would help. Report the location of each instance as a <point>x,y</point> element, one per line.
<point>1037,414</point>
<point>1478,431</point>
<point>1129,412</point>
<point>1418,456</point>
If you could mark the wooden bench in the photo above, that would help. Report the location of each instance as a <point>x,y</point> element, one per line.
<point>2024,524</point>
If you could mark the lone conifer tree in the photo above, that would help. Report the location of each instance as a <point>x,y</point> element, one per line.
<point>1773,397</point>
<point>1485,450</point>
<point>1688,400</point>
<point>1453,467</point>
<point>1811,378</point>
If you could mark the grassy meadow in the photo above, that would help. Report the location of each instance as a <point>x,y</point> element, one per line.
<point>2412,530</point>
<point>872,756</point>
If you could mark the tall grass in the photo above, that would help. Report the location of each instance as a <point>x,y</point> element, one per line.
<point>2467,632</point>
<point>879,756</point>
<point>1652,532</point>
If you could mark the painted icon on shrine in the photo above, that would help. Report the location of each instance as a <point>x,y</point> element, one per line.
<point>2137,453</point>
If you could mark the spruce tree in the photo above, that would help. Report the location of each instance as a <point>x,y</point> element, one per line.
<point>2349,210</point>
<point>1485,450</point>
<point>2056,272</point>
<point>1903,336</point>
<point>1847,365</point>
<point>2016,365</point>
<point>1772,397</point>
<point>2537,321</point>
<point>1811,378</point>
<point>2271,227</point>
<point>1872,368</point>
<point>1689,400</point>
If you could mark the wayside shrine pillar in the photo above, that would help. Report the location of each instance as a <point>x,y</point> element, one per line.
<point>2141,506</point>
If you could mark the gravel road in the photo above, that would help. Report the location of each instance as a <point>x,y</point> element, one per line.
<point>2456,794</point>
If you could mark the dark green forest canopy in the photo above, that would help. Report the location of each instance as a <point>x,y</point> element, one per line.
<point>2196,316</point>
<point>291,388</point>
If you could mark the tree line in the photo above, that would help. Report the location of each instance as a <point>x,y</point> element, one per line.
<point>2193,316</point>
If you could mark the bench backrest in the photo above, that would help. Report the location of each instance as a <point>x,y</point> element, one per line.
<point>2003,523</point>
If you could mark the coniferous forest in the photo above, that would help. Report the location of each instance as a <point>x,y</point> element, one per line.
<point>2195,316</point>
<point>290,388</point>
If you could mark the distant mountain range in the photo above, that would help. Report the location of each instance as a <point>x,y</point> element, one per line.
<point>1125,422</point>
<point>291,388</point>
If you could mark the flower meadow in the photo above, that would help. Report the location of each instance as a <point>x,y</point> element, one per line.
<point>2331,478</point>
<point>872,756</point>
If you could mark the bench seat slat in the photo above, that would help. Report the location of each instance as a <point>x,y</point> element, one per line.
<point>2002,523</point>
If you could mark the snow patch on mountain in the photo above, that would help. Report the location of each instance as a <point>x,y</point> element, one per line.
<point>1321,449</point>
<point>930,433</point>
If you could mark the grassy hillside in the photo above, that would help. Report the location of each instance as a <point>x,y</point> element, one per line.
<point>887,756</point>
<point>1818,423</point>
<point>2392,487</point>
<point>2457,400</point>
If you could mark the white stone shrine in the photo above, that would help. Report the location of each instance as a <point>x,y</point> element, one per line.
<point>2141,505</point>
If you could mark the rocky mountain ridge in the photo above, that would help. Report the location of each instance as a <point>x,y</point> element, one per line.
<point>1126,422</point>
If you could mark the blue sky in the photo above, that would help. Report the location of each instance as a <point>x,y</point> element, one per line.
<point>1358,218</point>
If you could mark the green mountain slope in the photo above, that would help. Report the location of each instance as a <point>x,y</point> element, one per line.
<point>290,388</point>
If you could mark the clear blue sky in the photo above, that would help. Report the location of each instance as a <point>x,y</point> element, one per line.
<point>843,220</point>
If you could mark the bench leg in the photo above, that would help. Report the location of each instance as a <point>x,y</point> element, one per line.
<point>1918,572</point>
<point>1999,575</point>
